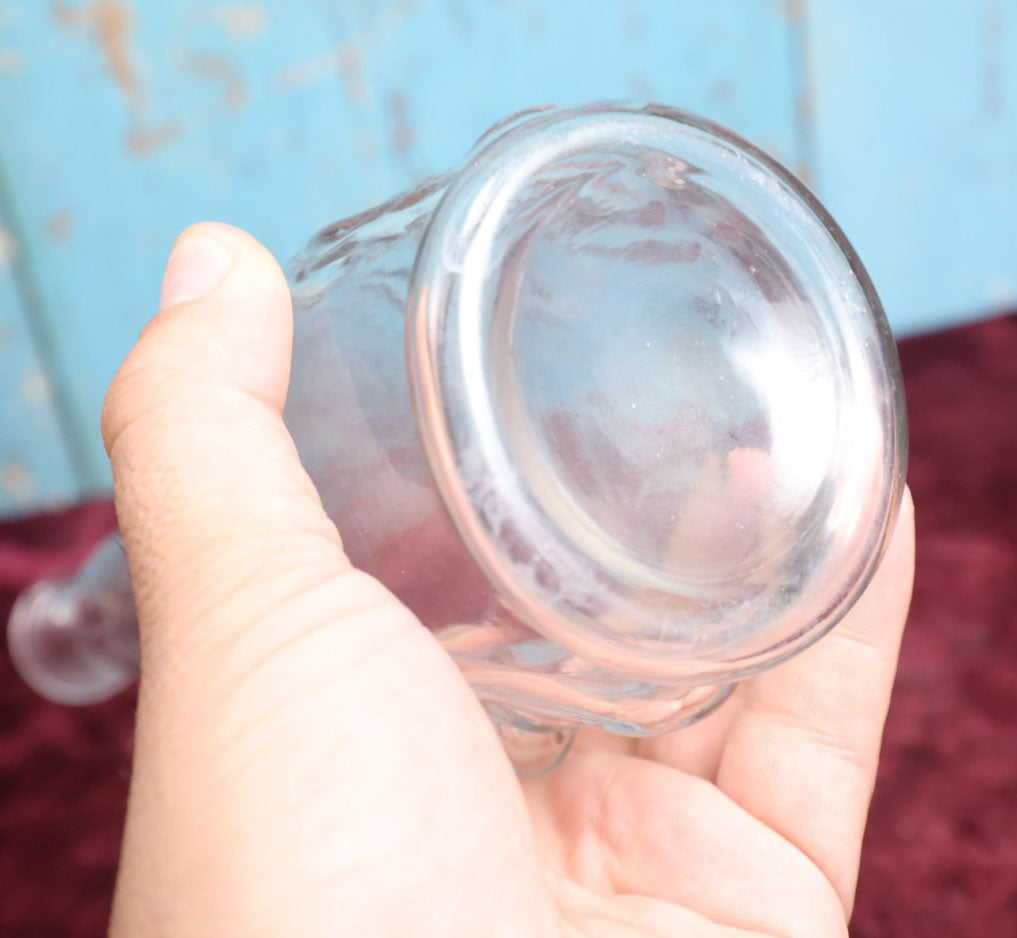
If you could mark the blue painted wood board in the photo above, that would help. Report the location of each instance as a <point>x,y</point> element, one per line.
<point>35,465</point>
<point>913,107</point>
<point>121,122</point>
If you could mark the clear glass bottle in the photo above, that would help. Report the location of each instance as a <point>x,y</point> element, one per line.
<point>613,408</point>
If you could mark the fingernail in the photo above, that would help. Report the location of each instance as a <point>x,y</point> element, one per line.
<point>196,267</point>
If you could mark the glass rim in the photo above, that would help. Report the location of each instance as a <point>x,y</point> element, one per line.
<point>434,394</point>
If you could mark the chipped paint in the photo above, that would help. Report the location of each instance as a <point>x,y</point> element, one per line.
<point>219,68</point>
<point>307,71</point>
<point>631,25</point>
<point>11,62</point>
<point>992,62</point>
<point>640,87</point>
<point>8,247</point>
<point>344,59</point>
<point>34,387</point>
<point>535,21</point>
<point>402,132</point>
<point>110,23</point>
<point>16,481</point>
<point>351,71</point>
<point>722,91</point>
<point>244,20</point>
<point>805,107</point>
<point>365,145</point>
<point>1001,291</point>
<point>460,16</point>
<point>59,225</point>
<point>793,10</point>
<point>378,20</point>
<point>143,140</point>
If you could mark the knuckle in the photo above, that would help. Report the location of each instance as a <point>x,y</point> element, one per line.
<point>152,376</point>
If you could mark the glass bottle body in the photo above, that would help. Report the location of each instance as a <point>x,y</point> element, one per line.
<point>613,409</point>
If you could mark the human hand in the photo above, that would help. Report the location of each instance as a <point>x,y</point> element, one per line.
<point>309,761</point>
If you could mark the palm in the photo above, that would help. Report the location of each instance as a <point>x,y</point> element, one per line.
<point>640,839</point>
<point>748,823</point>
<point>403,812</point>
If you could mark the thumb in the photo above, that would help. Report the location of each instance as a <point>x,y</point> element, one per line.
<point>285,697</point>
<point>222,525</point>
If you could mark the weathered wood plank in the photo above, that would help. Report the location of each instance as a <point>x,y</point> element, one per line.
<point>429,76</point>
<point>121,123</point>
<point>34,466</point>
<point>914,114</point>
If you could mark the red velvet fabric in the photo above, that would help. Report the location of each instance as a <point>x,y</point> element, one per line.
<point>940,855</point>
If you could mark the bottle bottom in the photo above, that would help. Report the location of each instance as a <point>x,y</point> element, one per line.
<point>61,654</point>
